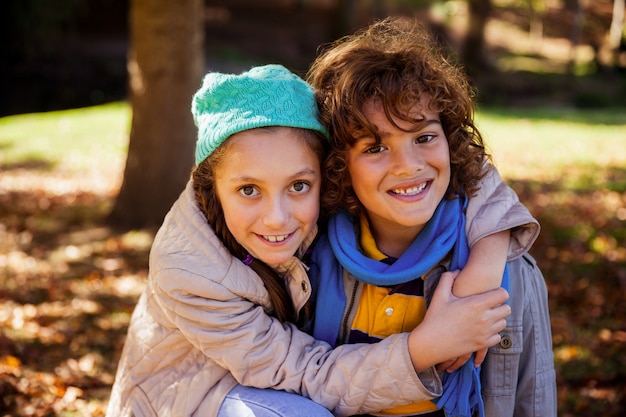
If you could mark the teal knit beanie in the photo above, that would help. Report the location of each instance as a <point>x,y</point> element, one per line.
<point>269,95</point>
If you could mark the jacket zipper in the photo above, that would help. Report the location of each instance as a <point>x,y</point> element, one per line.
<point>346,316</point>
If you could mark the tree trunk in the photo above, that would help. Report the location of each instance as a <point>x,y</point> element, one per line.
<point>165,67</point>
<point>616,33</point>
<point>537,12</point>
<point>473,50</point>
<point>575,35</point>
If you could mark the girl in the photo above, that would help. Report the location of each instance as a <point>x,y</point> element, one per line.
<point>215,331</point>
<point>405,156</point>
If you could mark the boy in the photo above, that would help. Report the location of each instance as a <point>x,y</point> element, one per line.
<point>405,160</point>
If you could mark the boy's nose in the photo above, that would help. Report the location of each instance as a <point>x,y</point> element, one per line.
<point>406,162</point>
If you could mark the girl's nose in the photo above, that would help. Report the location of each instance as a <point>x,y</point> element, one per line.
<point>276,213</point>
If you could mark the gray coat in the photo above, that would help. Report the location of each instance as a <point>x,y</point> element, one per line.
<point>518,377</point>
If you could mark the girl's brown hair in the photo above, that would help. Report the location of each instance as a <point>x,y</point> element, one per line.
<point>203,179</point>
<point>395,62</point>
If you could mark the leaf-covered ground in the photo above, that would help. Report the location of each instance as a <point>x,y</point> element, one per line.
<point>68,285</point>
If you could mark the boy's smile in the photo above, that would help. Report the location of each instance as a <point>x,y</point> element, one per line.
<point>411,191</point>
<point>401,180</point>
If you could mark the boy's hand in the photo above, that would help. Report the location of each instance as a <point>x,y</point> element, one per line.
<point>480,357</point>
<point>454,364</point>
<point>454,326</point>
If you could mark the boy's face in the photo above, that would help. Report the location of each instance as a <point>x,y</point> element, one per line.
<point>401,181</point>
<point>268,183</point>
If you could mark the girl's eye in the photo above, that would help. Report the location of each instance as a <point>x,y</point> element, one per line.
<point>300,187</point>
<point>248,191</point>
<point>425,138</point>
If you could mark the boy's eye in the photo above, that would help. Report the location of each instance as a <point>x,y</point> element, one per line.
<point>425,138</point>
<point>300,187</point>
<point>248,191</point>
<point>374,149</point>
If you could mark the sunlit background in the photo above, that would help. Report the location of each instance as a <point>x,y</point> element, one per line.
<point>551,77</point>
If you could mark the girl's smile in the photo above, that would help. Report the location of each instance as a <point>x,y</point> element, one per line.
<point>276,238</point>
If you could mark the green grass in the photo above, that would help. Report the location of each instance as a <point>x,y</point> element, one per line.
<point>526,143</point>
<point>68,140</point>
<point>554,144</point>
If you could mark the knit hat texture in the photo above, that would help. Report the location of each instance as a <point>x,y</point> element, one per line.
<point>268,95</point>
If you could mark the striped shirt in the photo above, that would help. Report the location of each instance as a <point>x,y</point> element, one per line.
<point>383,311</point>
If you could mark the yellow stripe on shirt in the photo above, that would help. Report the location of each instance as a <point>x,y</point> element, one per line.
<point>383,311</point>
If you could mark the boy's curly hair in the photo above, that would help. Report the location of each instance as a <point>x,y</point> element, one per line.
<point>397,62</point>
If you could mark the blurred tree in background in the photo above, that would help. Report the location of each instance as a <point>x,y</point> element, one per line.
<point>71,53</point>
<point>165,67</point>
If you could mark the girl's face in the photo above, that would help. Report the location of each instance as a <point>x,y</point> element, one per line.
<point>268,183</point>
<point>400,181</point>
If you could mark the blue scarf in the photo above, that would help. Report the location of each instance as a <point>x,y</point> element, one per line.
<point>444,232</point>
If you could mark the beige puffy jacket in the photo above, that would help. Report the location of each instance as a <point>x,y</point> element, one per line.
<point>201,327</point>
